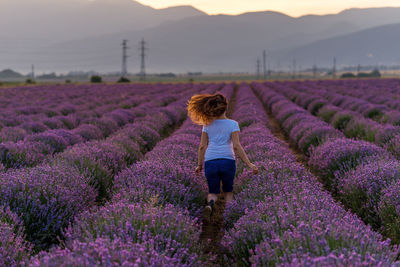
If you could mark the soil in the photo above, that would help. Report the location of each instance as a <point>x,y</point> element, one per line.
<point>213,231</point>
<point>279,133</point>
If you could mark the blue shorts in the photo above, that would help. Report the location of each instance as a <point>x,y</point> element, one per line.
<point>218,170</point>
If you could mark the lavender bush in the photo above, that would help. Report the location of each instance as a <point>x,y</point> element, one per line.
<point>14,250</point>
<point>46,198</point>
<point>108,253</point>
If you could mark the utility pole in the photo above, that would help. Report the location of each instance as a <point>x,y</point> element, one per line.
<point>124,70</point>
<point>334,68</point>
<point>33,72</point>
<point>278,65</point>
<point>314,71</point>
<point>258,68</point>
<point>143,57</point>
<point>269,72</point>
<point>265,64</point>
<point>300,70</point>
<point>294,68</point>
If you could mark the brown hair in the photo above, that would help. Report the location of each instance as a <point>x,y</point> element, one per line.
<point>203,109</point>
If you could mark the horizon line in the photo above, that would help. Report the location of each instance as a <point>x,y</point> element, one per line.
<point>268,10</point>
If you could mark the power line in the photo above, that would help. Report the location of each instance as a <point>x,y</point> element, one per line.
<point>142,62</point>
<point>33,72</point>
<point>269,71</point>
<point>294,68</point>
<point>265,64</point>
<point>124,69</point>
<point>278,66</point>
<point>258,68</point>
<point>299,72</point>
<point>334,68</point>
<point>314,70</point>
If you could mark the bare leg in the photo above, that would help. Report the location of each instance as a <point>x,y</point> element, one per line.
<point>212,197</point>
<point>228,196</point>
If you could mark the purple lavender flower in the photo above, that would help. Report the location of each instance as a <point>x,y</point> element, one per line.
<point>14,250</point>
<point>361,188</point>
<point>88,132</point>
<point>12,134</point>
<point>56,142</point>
<point>46,198</point>
<point>168,229</point>
<point>389,211</point>
<point>340,155</point>
<point>108,253</point>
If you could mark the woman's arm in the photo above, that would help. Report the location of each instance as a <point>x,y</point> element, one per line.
<point>237,147</point>
<point>202,151</point>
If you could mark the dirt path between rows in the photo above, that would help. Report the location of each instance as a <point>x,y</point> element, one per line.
<point>279,133</point>
<point>212,231</point>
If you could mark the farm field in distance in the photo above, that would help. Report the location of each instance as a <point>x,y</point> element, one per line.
<point>104,175</point>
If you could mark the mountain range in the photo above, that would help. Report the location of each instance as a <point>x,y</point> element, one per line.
<point>83,35</point>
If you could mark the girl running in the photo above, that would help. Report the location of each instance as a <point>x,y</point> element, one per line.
<point>218,146</point>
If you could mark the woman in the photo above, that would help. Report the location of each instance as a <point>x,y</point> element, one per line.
<point>218,146</point>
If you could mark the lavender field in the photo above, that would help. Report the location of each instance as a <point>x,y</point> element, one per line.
<point>103,175</point>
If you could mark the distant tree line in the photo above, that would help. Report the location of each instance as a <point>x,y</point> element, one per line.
<point>167,75</point>
<point>373,74</point>
<point>194,73</point>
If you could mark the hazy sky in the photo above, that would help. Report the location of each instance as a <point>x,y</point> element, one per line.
<point>290,7</point>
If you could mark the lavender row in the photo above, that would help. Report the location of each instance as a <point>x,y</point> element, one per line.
<point>20,104</point>
<point>328,91</point>
<point>302,128</point>
<point>159,174</point>
<point>361,174</point>
<point>13,247</point>
<point>152,214</point>
<point>377,91</point>
<point>374,99</point>
<point>35,148</point>
<point>125,234</point>
<point>374,183</point>
<point>50,107</point>
<point>349,108</point>
<point>351,123</point>
<point>256,138</point>
<point>282,216</point>
<point>49,196</point>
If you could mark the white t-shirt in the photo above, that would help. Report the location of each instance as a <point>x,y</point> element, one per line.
<point>219,139</point>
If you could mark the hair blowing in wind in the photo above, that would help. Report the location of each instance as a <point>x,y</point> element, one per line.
<point>204,108</point>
